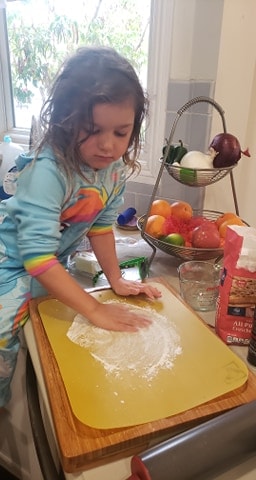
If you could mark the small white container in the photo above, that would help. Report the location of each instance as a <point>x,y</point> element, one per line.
<point>9,151</point>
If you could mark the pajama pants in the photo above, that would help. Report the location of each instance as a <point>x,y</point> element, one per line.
<point>14,300</point>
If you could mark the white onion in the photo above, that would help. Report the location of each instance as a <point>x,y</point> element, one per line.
<point>196,160</point>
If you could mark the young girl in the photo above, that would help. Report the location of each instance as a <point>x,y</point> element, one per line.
<point>71,186</point>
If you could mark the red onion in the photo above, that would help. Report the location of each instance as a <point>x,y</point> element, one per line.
<point>228,150</point>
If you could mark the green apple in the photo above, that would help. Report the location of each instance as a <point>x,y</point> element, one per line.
<point>174,239</point>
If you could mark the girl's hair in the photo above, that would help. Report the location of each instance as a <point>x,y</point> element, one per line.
<point>93,75</point>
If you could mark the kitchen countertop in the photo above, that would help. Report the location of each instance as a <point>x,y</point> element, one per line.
<point>130,245</point>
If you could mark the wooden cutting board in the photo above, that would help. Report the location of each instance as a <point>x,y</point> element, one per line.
<point>206,379</point>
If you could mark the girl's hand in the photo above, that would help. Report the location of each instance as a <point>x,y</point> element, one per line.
<point>128,287</point>
<point>118,318</point>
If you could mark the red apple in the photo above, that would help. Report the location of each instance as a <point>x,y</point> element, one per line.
<point>196,221</point>
<point>206,236</point>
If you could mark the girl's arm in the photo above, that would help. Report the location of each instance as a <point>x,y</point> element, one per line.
<point>104,249</point>
<point>59,283</point>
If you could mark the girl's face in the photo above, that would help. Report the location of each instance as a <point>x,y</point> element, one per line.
<point>112,129</point>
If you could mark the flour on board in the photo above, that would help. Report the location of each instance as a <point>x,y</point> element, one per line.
<point>145,352</point>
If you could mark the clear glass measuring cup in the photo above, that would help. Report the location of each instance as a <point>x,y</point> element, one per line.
<point>199,284</point>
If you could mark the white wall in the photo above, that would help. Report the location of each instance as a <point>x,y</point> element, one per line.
<point>195,39</point>
<point>236,93</point>
<point>215,40</point>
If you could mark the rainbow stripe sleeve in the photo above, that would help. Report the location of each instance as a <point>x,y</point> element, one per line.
<point>37,265</point>
<point>99,230</point>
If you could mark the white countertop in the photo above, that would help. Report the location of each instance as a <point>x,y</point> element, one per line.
<point>130,245</point>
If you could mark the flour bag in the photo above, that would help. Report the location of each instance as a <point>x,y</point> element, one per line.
<point>237,292</point>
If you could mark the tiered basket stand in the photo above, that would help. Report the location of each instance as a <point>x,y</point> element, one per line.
<point>202,178</point>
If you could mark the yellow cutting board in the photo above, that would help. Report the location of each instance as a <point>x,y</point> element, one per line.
<point>206,368</point>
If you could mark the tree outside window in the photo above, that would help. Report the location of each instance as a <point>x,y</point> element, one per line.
<point>41,33</point>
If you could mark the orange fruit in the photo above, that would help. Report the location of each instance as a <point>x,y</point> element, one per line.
<point>154,226</point>
<point>231,221</point>
<point>182,210</point>
<point>224,217</point>
<point>160,207</point>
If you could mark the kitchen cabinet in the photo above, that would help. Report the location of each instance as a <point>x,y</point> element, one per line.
<point>17,450</point>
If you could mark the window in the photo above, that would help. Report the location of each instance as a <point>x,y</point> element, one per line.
<point>21,94</point>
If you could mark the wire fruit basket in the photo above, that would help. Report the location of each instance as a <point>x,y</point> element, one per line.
<point>185,253</point>
<point>196,177</point>
<point>200,177</point>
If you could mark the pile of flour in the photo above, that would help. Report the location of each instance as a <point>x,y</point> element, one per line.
<point>144,352</point>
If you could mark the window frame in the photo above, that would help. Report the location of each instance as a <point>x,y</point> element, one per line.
<point>158,76</point>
